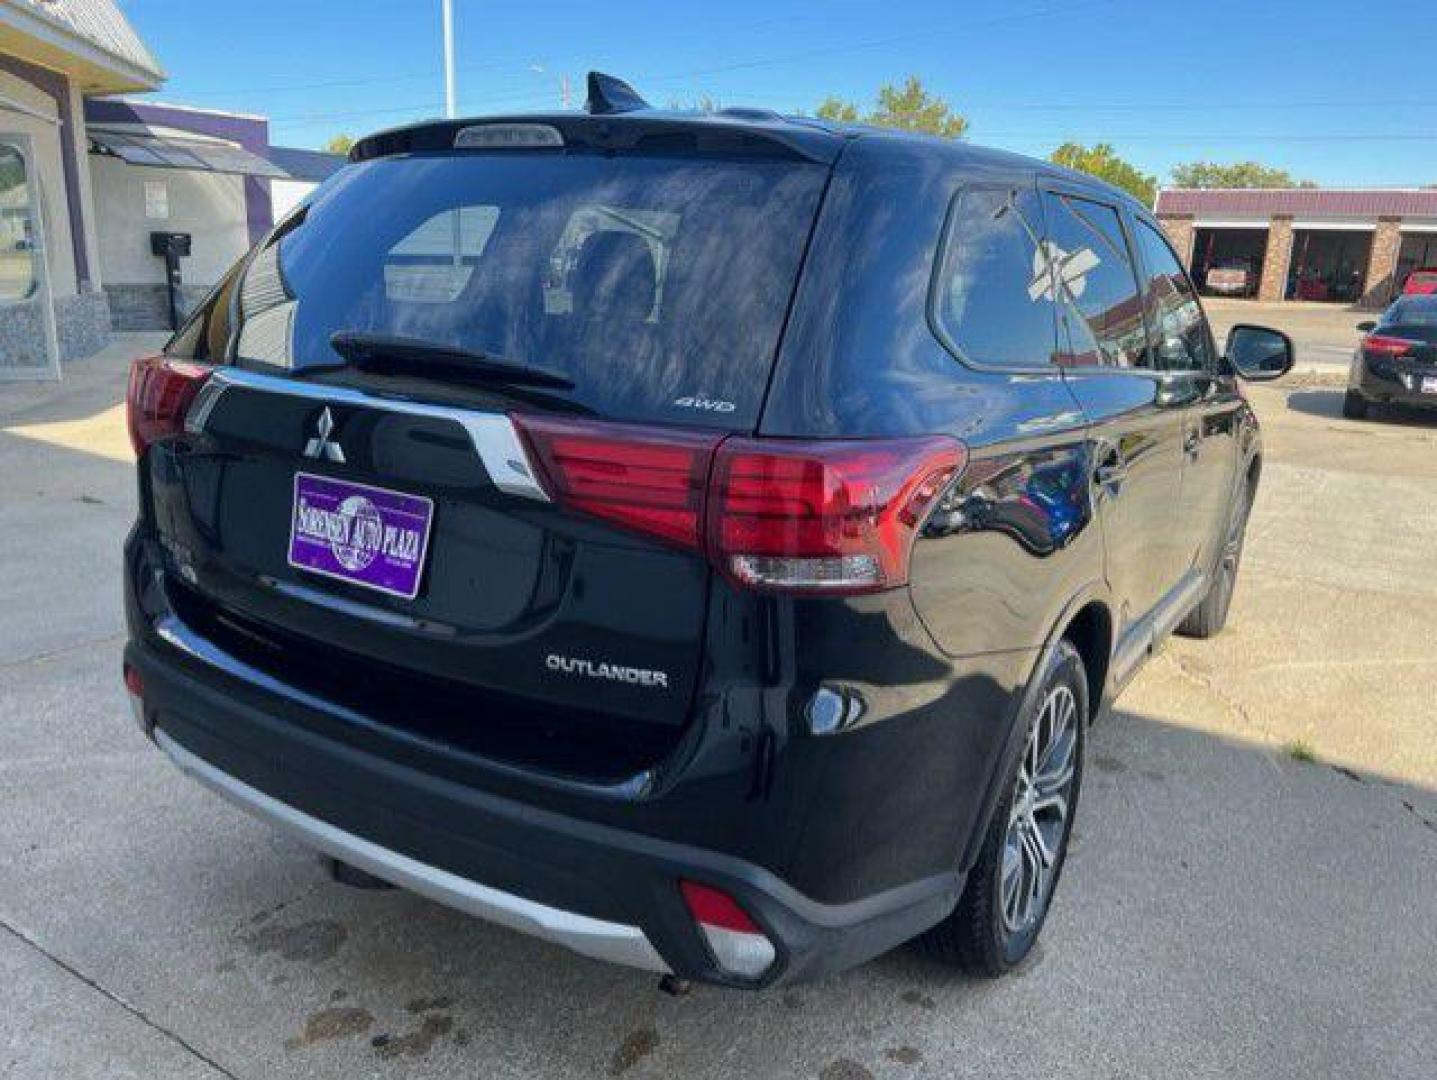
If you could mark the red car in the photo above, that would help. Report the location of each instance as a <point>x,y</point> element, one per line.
<point>1421,282</point>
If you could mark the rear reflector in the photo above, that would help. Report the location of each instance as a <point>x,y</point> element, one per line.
<point>160,392</point>
<point>787,515</point>
<point>737,943</point>
<point>1388,346</point>
<point>135,691</point>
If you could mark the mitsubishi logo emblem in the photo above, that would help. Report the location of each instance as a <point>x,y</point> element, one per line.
<point>321,446</point>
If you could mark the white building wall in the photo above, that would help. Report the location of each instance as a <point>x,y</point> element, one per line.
<point>208,206</point>
<point>285,195</point>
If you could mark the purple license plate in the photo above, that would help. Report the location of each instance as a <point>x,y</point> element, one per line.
<point>361,534</point>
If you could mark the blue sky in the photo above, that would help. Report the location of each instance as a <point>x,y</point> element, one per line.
<point>1314,86</point>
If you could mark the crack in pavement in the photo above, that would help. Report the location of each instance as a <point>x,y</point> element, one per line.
<point>137,1013</point>
<point>63,650</point>
<point>1238,709</point>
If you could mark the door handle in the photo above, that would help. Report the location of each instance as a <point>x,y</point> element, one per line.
<point>1111,469</point>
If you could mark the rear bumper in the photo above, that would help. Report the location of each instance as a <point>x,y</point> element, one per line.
<point>598,938</point>
<point>602,891</point>
<point>1393,382</point>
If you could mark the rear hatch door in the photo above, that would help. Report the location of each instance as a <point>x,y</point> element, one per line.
<point>389,519</point>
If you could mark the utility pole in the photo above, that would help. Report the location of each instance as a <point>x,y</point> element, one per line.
<point>450,109</point>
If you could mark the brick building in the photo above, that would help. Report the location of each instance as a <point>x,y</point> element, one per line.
<point>1316,244</point>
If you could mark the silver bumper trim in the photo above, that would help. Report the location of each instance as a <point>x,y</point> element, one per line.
<point>615,942</point>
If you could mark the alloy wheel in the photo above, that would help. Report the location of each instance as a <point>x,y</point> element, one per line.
<point>1038,820</point>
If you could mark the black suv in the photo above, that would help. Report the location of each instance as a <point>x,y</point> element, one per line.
<point>701,541</point>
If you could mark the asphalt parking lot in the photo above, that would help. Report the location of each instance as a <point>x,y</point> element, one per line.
<point>1252,891</point>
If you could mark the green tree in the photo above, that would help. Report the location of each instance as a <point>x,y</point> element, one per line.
<point>909,107</point>
<point>340,144</point>
<point>844,112</point>
<point>1238,174</point>
<point>1102,161</point>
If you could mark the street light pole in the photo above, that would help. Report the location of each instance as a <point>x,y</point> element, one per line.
<point>450,109</point>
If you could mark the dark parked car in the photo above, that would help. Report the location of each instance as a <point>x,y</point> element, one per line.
<point>702,541</point>
<point>1396,360</point>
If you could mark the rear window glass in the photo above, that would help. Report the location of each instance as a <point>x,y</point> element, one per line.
<point>1414,317</point>
<point>657,284</point>
<point>994,298</point>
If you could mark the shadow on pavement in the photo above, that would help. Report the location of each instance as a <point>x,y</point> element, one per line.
<point>1327,402</point>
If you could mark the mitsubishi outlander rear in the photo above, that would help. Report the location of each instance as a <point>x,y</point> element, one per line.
<point>700,541</point>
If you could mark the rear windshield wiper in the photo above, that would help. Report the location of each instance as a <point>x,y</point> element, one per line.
<point>389,354</point>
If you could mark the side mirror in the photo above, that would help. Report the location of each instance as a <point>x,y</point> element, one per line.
<point>1367,327</point>
<point>1258,353</point>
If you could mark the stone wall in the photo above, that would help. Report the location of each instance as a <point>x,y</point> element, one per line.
<point>82,324</point>
<point>22,340</point>
<point>146,306</point>
<point>1277,260</point>
<point>82,328</point>
<point>1381,285</point>
<point>1179,229</point>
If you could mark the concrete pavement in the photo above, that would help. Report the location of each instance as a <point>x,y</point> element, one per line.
<point>1227,911</point>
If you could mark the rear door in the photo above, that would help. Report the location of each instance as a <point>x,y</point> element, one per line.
<point>394,519</point>
<point>1136,424</point>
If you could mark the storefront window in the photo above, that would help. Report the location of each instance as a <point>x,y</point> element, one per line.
<point>19,276</point>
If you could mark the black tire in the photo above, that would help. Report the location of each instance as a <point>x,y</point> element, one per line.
<point>1355,406</point>
<point>976,936</point>
<point>1209,617</point>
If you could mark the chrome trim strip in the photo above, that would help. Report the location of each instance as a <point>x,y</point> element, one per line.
<point>616,943</point>
<point>492,434</point>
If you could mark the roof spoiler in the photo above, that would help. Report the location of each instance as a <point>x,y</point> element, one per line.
<point>608,95</point>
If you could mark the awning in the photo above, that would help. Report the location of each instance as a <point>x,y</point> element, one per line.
<point>168,152</point>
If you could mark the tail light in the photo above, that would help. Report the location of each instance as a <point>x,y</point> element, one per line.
<point>649,480</point>
<point>823,516</point>
<point>161,391</point>
<point>738,945</point>
<point>836,517</point>
<point>1388,346</point>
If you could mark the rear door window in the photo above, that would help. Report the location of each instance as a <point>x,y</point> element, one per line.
<point>1100,307</point>
<point>993,299</point>
<point>658,284</point>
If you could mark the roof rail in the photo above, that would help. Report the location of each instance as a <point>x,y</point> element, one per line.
<point>610,95</point>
